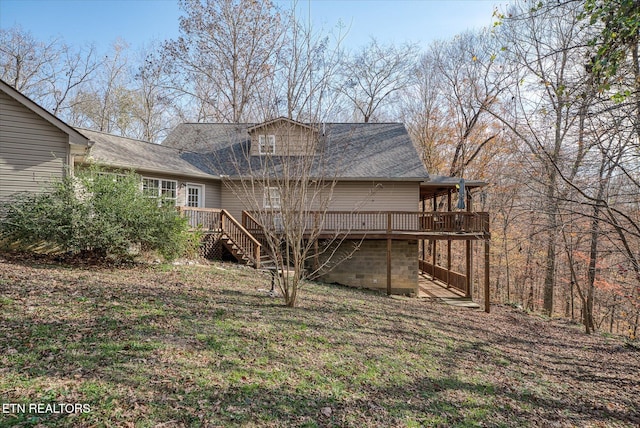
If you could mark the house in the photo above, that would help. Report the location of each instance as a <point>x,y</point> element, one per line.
<point>381,191</point>
<point>381,201</point>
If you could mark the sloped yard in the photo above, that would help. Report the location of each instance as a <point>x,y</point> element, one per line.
<point>202,346</point>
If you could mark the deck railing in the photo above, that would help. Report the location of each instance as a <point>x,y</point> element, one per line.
<point>377,221</point>
<point>206,219</point>
<point>451,278</point>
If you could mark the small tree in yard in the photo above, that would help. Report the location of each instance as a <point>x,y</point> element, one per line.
<point>287,190</point>
<point>98,215</point>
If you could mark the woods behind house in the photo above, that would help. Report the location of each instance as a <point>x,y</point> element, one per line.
<point>544,105</point>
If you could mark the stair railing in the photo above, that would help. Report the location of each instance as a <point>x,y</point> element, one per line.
<point>240,237</point>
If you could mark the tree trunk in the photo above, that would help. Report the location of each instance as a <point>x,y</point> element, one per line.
<point>550,265</point>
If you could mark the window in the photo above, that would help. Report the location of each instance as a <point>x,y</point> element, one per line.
<point>116,177</point>
<point>195,196</point>
<point>151,187</point>
<point>271,197</point>
<point>157,188</point>
<point>266,144</point>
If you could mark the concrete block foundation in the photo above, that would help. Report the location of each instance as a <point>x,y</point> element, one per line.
<point>364,264</point>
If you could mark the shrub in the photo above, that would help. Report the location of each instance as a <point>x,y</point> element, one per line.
<point>96,214</point>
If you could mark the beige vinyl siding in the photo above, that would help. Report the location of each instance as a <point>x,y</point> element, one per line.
<point>347,196</point>
<point>233,203</point>
<point>375,196</point>
<point>291,139</point>
<point>32,151</point>
<point>212,194</point>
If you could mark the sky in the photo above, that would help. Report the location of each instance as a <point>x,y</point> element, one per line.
<point>139,22</point>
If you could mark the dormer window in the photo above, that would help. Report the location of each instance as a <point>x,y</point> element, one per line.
<point>266,144</point>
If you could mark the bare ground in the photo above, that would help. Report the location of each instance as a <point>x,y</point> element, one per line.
<point>206,346</point>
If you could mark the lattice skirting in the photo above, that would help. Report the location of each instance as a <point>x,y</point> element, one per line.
<point>211,246</point>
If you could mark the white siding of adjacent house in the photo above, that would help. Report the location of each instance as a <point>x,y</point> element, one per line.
<point>32,151</point>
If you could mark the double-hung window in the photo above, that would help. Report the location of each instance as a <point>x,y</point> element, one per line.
<point>271,198</point>
<point>158,188</point>
<point>267,144</point>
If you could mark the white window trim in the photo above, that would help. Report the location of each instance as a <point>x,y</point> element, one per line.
<point>160,180</point>
<point>186,194</point>
<point>266,200</point>
<point>266,141</point>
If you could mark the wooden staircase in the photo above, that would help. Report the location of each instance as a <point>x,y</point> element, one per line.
<point>265,261</point>
<point>240,243</point>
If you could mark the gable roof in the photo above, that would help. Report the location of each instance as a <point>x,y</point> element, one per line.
<point>350,150</point>
<point>280,119</point>
<point>75,137</point>
<point>128,153</point>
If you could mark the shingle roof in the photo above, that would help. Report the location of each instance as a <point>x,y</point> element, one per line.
<point>127,153</point>
<point>351,150</point>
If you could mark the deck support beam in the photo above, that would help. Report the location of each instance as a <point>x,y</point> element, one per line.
<point>389,254</point>
<point>487,299</point>
<point>469,267</point>
<point>389,266</point>
<point>448,243</point>
<point>469,256</point>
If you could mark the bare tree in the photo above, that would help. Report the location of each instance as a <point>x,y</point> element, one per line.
<point>374,74</point>
<point>547,91</point>
<point>107,104</point>
<point>75,72</point>
<point>50,73</point>
<point>286,185</point>
<point>307,64</point>
<point>226,50</point>
<point>28,64</point>
<point>156,104</point>
<point>456,82</point>
<point>424,114</point>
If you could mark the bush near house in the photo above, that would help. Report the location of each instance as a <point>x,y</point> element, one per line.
<point>98,215</point>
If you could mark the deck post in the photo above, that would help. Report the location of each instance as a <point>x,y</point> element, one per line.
<point>469,255</point>
<point>449,243</point>
<point>487,302</point>
<point>434,248</point>
<point>448,263</point>
<point>388,253</point>
<point>469,267</point>
<point>316,256</point>
<point>422,241</point>
<point>388,265</point>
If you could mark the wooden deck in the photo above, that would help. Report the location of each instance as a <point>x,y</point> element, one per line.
<point>436,290</point>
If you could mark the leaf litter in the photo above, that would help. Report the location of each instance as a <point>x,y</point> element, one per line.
<point>201,345</point>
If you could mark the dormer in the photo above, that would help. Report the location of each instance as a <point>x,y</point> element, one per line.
<point>282,137</point>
